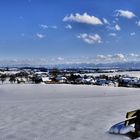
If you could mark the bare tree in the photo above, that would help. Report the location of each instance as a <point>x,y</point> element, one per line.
<point>12,79</point>
<point>3,78</point>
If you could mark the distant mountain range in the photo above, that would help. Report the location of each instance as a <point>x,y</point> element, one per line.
<point>118,65</point>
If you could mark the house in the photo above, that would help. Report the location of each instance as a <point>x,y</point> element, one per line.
<point>79,80</point>
<point>128,81</point>
<point>61,79</point>
<point>88,81</point>
<point>116,84</point>
<point>110,83</point>
<point>101,82</point>
<point>46,79</point>
<point>21,80</point>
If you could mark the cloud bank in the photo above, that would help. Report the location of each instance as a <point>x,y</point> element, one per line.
<point>108,58</point>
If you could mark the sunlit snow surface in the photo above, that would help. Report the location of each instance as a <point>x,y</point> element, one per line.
<point>63,112</point>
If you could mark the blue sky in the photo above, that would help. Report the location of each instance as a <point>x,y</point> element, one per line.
<point>74,31</point>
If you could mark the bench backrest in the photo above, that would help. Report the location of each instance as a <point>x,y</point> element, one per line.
<point>131,117</point>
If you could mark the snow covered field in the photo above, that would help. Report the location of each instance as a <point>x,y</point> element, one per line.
<point>63,112</point>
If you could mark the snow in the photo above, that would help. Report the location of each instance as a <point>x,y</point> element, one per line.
<point>121,128</point>
<point>63,112</point>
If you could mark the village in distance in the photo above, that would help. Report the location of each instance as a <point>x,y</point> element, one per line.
<point>77,76</point>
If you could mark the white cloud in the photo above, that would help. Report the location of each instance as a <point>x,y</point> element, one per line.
<point>60,59</point>
<point>110,58</point>
<point>43,26</point>
<point>112,34</point>
<point>105,21</point>
<point>133,55</point>
<point>138,23</point>
<point>133,33</point>
<point>54,27</point>
<point>110,28</point>
<point>119,56</point>
<point>114,28</point>
<point>85,18</point>
<point>125,13</point>
<point>116,19</point>
<point>117,27</point>
<point>68,26</point>
<point>90,39</point>
<point>40,35</point>
<point>100,57</point>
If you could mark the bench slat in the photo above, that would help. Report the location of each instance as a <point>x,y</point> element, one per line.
<point>131,113</point>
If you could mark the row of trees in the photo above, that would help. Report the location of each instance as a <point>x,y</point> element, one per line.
<point>13,77</point>
<point>28,76</point>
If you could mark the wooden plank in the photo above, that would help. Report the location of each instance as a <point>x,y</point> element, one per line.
<point>131,113</point>
<point>130,121</point>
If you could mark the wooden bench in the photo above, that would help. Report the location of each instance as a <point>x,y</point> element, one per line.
<point>133,118</point>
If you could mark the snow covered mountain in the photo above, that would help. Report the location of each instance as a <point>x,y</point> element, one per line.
<point>119,65</point>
